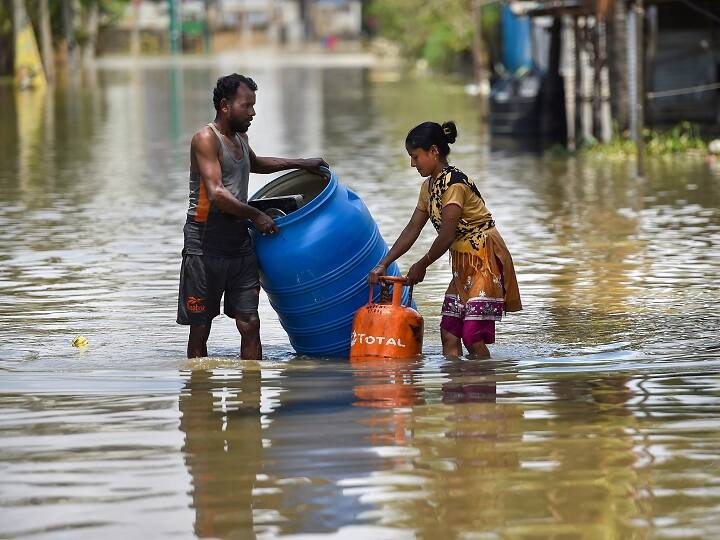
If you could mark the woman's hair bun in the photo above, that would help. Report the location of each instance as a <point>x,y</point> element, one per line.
<point>450,131</point>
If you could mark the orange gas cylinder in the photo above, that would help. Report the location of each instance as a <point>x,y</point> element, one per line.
<point>387,330</point>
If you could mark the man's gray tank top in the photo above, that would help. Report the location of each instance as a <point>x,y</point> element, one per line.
<point>208,231</point>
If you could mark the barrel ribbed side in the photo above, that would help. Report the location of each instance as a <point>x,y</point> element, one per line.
<point>315,270</point>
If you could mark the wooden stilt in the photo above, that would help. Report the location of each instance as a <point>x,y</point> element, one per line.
<point>639,82</point>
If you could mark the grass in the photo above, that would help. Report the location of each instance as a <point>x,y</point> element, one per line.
<point>682,139</point>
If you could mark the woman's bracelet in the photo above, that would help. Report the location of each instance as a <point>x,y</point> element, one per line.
<point>428,258</point>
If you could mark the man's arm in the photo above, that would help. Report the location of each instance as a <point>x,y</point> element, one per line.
<point>265,165</point>
<point>204,152</point>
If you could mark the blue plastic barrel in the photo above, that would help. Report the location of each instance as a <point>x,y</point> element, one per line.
<point>516,40</point>
<point>315,269</point>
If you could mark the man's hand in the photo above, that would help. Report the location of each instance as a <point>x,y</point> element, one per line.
<point>313,165</point>
<point>265,224</point>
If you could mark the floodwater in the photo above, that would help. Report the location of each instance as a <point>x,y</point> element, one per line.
<point>598,416</point>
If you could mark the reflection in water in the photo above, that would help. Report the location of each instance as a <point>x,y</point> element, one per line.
<point>223,448</point>
<point>495,452</point>
<point>387,383</point>
<point>176,101</point>
<point>316,442</point>
<point>30,107</point>
<point>469,444</point>
<point>470,381</point>
<point>597,463</point>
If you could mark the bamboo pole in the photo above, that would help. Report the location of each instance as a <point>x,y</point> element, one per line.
<point>68,20</point>
<point>46,46</point>
<point>174,29</point>
<point>606,122</point>
<point>595,43</point>
<point>569,78</point>
<point>135,28</point>
<point>618,66</point>
<point>578,83</point>
<point>640,93</point>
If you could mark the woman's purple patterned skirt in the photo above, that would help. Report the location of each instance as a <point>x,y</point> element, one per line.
<point>474,321</point>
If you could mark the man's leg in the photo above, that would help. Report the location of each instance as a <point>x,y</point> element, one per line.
<point>242,296</point>
<point>197,342</point>
<point>198,301</point>
<point>248,324</point>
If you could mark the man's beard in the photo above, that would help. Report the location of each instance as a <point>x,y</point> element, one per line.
<point>240,127</point>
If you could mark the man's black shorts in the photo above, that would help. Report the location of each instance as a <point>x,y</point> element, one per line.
<point>204,279</point>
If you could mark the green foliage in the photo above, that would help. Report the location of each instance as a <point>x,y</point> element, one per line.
<point>684,137</point>
<point>5,17</point>
<point>437,49</point>
<point>435,30</point>
<point>491,34</point>
<point>558,151</point>
<point>112,10</point>
<point>681,139</point>
<point>7,46</point>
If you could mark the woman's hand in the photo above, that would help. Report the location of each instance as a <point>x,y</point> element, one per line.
<point>417,272</point>
<point>376,273</point>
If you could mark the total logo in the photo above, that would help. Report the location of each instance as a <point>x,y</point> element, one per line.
<point>380,340</point>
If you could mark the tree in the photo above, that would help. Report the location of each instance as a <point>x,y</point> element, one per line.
<point>439,31</point>
<point>7,48</point>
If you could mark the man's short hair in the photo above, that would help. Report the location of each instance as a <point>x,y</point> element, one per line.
<point>227,86</point>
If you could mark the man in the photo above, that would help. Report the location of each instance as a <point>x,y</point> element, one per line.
<point>218,257</point>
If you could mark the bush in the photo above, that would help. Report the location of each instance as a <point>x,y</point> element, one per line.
<point>681,139</point>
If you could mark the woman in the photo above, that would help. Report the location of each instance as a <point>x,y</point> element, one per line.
<point>483,284</point>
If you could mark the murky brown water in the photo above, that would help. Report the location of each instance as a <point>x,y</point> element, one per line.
<point>598,416</point>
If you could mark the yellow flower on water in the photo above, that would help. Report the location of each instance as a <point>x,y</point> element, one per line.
<point>80,341</point>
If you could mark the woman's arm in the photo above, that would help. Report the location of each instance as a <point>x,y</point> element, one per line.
<point>407,238</point>
<point>451,215</point>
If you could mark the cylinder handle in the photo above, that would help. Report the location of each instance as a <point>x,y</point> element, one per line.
<point>397,291</point>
